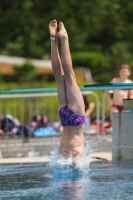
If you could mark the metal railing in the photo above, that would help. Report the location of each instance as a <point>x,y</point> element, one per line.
<point>9,100</point>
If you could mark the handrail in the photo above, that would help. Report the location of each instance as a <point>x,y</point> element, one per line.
<point>43,92</point>
<point>31,90</point>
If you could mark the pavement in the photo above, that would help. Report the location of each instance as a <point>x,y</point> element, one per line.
<point>44,159</point>
<point>102,155</point>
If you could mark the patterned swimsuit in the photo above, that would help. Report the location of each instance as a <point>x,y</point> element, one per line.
<point>69,118</point>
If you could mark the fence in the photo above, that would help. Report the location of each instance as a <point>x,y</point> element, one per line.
<point>103,110</point>
<point>26,103</point>
<point>24,106</point>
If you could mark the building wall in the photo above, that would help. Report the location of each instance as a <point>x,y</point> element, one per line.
<point>6,69</point>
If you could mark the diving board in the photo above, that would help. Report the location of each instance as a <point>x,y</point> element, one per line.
<point>31,90</point>
<point>110,86</point>
<point>126,86</point>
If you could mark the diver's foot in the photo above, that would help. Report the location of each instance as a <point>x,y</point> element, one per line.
<point>62,31</point>
<point>53,28</point>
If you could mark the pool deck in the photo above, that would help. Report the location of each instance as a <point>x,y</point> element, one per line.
<point>102,155</point>
<point>44,159</point>
<point>11,148</point>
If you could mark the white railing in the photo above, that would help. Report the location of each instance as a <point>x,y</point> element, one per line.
<point>25,106</point>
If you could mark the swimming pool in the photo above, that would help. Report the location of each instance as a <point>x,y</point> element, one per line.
<point>106,180</point>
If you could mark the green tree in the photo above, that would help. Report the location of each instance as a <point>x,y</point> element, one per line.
<point>95,61</point>
<point>25,72</point>
<point>93,26</point>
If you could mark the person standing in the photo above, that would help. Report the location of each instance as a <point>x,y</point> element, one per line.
<point>115,103</point>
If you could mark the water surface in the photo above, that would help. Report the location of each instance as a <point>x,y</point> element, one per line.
<point>106,180</point>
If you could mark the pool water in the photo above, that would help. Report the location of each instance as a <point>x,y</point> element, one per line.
<point>105,180</point>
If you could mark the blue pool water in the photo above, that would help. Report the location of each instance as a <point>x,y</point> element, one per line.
<point>105,180</point>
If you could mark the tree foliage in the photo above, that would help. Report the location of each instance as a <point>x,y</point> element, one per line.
<point>25,72</point>
<point>104,27</point>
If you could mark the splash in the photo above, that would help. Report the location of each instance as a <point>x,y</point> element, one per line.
<point>61,165</point>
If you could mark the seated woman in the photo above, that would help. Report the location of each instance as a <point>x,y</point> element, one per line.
<point>89,107</point>
<point>71,104</point>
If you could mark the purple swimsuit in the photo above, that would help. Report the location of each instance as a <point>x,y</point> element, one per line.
<point>120,108</point>
<point>69,118</point>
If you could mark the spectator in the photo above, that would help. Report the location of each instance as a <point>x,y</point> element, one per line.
<point>40,121</point>
<point>89,107</point>
<point>115,103</point>
<point>11,126</point>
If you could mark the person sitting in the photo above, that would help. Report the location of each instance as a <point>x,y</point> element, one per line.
<point>89,108</point>
<point>39,121</point>
<point>11,126</point>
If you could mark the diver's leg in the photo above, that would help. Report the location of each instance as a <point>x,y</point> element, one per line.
<point>74,96</point>
<point>56,65</point>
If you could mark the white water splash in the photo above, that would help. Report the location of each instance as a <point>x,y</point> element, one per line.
<point>59,164</point>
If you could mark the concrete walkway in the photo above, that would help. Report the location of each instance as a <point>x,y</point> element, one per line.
<point>24,160</point>
<point>102,155</point>
<point>99,155</point>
